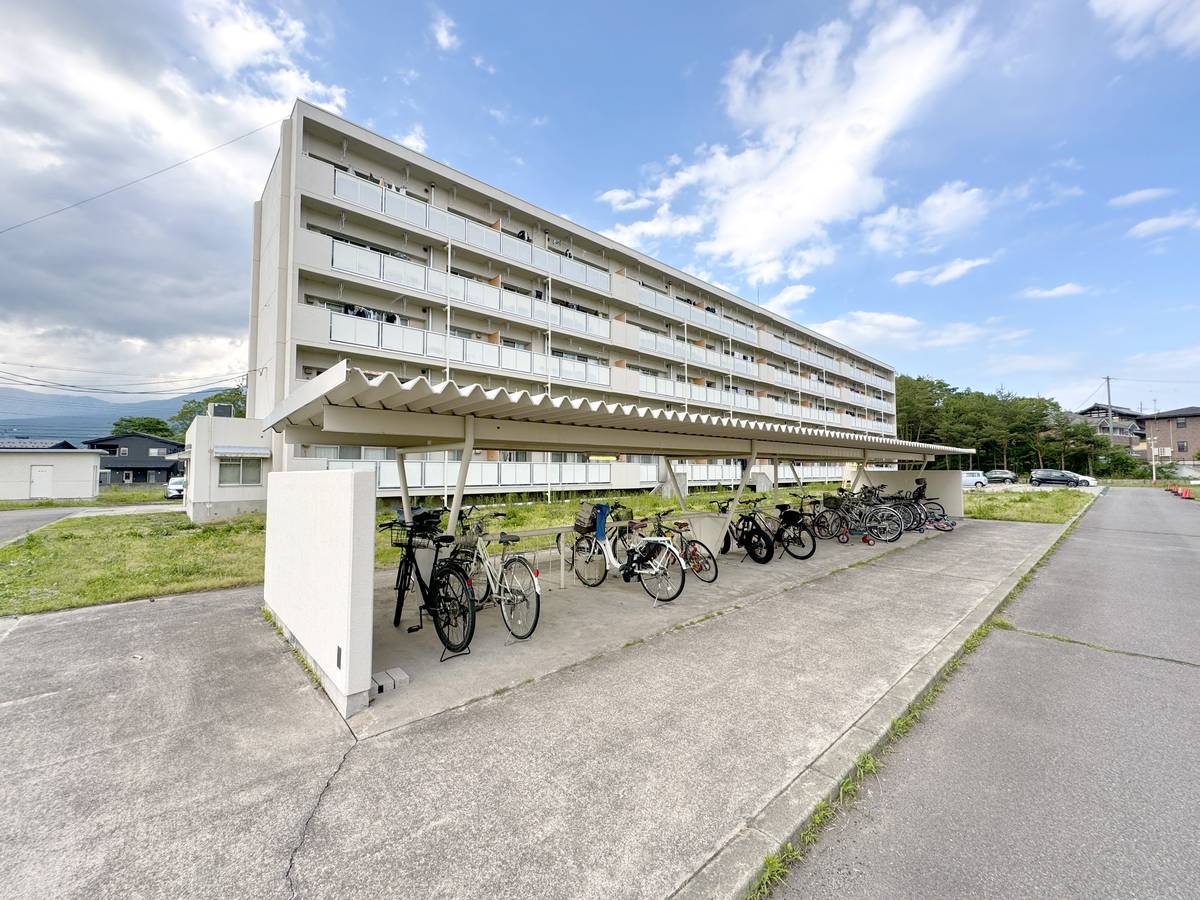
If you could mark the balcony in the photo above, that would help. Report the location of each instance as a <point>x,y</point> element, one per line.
<point>407,209</point>
<point>661,303</point>
<point>437,347</point>
<point>381,267</point>
<point>434,474</point>
<point>661,386</point>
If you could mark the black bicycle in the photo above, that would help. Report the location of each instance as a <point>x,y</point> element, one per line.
<point>447,597</point>
<point>745,532</point>
<point>792,532</point>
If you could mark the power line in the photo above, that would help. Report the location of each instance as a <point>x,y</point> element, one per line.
<point>1160,380</point>
<point>21,365</point>
<point>121,187</point>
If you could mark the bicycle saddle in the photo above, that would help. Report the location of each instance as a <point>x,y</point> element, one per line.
<point>444,539</point>
<point>506,538</point>
<point>783,507</point>
<point>682,523</point>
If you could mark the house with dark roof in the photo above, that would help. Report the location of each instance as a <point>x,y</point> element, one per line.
<point>1119,424</point>
<point>24,443</point>
<point>1173,433</point>
<point>137,458</point>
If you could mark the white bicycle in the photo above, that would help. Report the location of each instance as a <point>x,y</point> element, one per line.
<point>512,584</point>
<point>654,561</point>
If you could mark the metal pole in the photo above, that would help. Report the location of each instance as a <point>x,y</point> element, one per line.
<point>741,487</point>
<point>405,497</point>
<point>463,466</point>
<point>775,475</point>
<point>549,334</point>
<point>449,261</point>
<point>675,483</point>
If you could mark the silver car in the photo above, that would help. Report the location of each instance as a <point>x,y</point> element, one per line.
<point>973,479</point>
<point>173,489</point>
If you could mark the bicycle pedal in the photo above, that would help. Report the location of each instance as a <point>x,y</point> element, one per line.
<point>412,629</point>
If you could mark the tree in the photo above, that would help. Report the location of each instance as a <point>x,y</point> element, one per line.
<point>144,424</point>
<point>189,409</point>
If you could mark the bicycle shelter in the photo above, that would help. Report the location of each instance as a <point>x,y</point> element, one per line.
<point>320,544</point>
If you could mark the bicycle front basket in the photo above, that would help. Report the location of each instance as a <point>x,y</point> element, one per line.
<point>831,502</point>
<point>585,518</point>
<point>623,514</point>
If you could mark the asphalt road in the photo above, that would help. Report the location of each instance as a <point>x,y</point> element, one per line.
<point>16,522</point>
<point>1050,768</point>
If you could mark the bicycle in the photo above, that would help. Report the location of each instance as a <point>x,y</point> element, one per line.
<point>654,561</point>
<point>447,596</point>
<point>858,513</point>
<point>696,555</point>
<point>512,584</point>
<point>790,531</point>
<point>745,532</point>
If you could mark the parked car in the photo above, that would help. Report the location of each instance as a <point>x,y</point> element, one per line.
<point>1001,476</point>
<point>1085,480</point>
<point>972,479</point>
<point>1053,476</point>
<point>173,489</point>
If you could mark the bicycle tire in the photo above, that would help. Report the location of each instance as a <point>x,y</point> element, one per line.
<point>798,540</point>
<point>884,524</point>
<point>663,586</point>
<point>481,587</point>
<point>828,524</point>
<point>726,543</point>
<point>700,560</point>
<point>454,612</point>
<point>520,598</point>
<point>588,561</point>
<point>935,509</point>
<point>403,577</point>
<point>758,545</point>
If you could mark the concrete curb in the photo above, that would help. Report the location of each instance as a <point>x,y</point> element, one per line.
<point>731,871</point>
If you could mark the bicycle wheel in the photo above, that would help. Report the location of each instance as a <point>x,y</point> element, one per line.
<point>665,576</point>
<point>481,588</point>
<point>588,561</point>
<point>403,581</point>
<point>453,610</point>
<point>758,544</point>
<point>726,543</point>
<point>935,509</point>
<point>908,519</point>
<point>799,542</point>
<point>700,560</point>
<point>827,524</point>
<point>884,524</point>
<point>520,598</point>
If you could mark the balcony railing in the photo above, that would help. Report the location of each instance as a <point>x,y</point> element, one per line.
<point>696,393</point>
<point>381,267</point>
<point>433,474</point>
<point>437,346</point>
<point>417,212</point>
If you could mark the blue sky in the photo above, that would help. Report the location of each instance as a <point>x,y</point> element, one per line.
<point>993,194</point>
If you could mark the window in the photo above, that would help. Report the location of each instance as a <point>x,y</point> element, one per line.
<point>323,451</point>
<point>514,456</point>
<point>1181,422</point>
<point>127,475</point>
<point>158,451</point>
<point>240,471</point>
<point>122,451</point>
<point>1182,446</point>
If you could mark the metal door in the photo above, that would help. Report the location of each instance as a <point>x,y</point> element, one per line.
<point>41,482</point>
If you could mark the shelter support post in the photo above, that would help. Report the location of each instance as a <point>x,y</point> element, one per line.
<point>737,497</point>
<point>796,475</point>
<point>775,476</point>
<point>679,495</point>
<point>463,466</point>
<point>405,497</point>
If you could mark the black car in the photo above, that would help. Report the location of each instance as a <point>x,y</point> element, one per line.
<point>1053,476</point>
<point>1001,476</point>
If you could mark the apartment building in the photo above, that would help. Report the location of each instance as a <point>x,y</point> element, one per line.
<point>1174,434</point>
<point>369,252</point>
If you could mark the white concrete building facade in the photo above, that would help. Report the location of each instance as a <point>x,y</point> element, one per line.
<point>368,253</point>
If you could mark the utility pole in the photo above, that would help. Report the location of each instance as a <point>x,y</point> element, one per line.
<point>1108,385</point>
<point>1154,447</point>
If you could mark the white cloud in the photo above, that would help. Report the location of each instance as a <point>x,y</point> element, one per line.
<point>1142,26</point>
<point>665,224</point>
<point>622,200</point>
<point>415,139</point>
<point>483,65</point>
<point>1161,224</point>
<point>817,117</point>
<point>1185,360</point>
<point>951,209</point>
<point>167,259</point>
<point>1069,289</point>
<point>1145,195</point>
<point>1032,363</point>
<point>407,76</point>
<point>941,274</point>
<point>442,29</point>
<point>539,121</point>
<point>787,302</point>
<point>500,115</point>
<point>865,329</point>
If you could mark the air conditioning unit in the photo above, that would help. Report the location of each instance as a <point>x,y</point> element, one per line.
<point>221,410</point>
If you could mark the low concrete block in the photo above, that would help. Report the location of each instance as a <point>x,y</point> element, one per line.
<point>784,817</point>
<point>381,682</point>
<point>838,761</point>
<point>730,872</point>
<point>399,676</point>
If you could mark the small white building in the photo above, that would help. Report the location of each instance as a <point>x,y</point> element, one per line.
<point>47,470</point>
<point>227,462</point>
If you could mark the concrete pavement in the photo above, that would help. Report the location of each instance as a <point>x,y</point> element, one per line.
<point>1050,768</point>
<point>168,747</point>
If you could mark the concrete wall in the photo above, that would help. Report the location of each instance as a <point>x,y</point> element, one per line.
<point>946,486</point>
<point>320,564</point>
<point>206,499</point>
<point>75,476</point>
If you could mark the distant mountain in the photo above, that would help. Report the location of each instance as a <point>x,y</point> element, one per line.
<point>75,417</point>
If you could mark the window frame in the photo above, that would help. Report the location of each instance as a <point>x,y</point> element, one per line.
<point>240,462</point>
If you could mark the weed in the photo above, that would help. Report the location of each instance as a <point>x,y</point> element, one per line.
<point>269,618</point>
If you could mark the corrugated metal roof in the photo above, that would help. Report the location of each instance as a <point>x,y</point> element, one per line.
<point>342,386</point>
<point>227,450</point>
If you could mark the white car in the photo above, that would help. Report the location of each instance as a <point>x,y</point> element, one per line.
<point>1086,480</point>
<point>973,479</point>
<point>173,490</point>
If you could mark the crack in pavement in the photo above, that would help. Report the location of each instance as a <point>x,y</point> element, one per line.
<point>288,876</point>
<point>1104,648</point>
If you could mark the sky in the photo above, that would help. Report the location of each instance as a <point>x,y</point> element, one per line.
<point>994,194</point>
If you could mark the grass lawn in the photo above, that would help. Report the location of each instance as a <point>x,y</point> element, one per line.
<point>109,496</point>
<point>107,559</point>
<point>1053,507</point>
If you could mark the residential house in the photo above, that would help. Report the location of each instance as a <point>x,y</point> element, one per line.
<point>136,458</point>
<point>1173,434</point>
<point>36,469</point>
<point>1119,424</point>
